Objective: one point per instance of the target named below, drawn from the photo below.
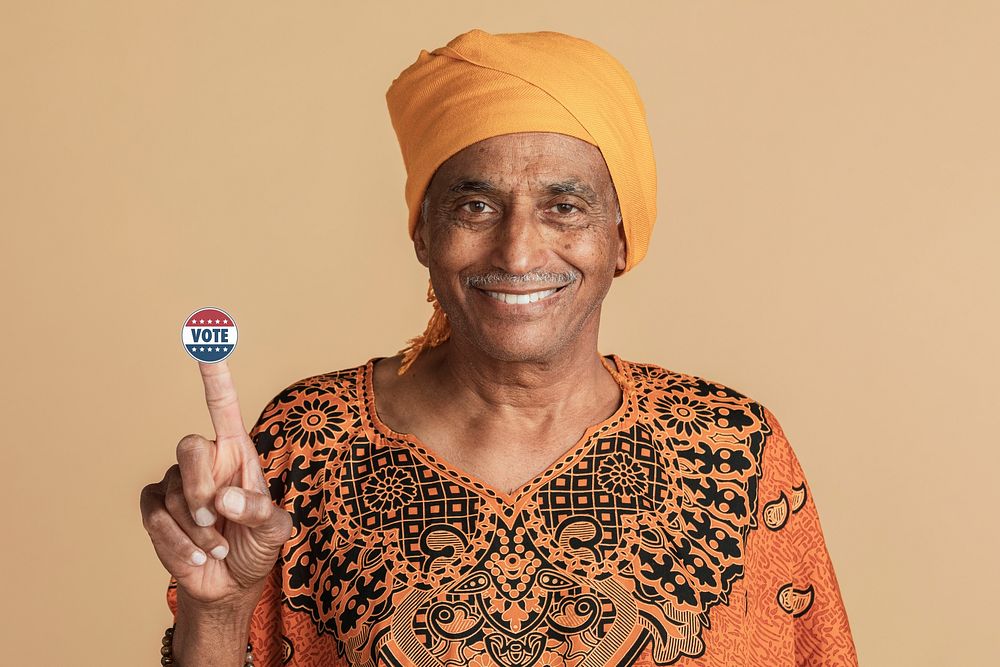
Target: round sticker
(209, 335)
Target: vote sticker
(209, 335)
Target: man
(501, 493)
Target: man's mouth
(527, 297)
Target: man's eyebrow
(465, 187)
(572, 188)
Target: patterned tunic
(679, 531)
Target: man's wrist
(222, 614)
(214, 633)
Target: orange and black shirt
(679, 531)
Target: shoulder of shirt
(664, 388)
(340, 382)
(285, 426)
(654, 378)
(331, 387)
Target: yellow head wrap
(482, 85)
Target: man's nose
(520, 245)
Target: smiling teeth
(521, 298)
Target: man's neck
(478, 388)
(500, 421)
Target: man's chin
(519, 346)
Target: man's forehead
(542, 173)
(528, 151)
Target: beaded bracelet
(167, 650)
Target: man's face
(522, 242)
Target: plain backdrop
(826, 243)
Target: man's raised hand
(210, 518)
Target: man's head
(524, 217)
(458, 103)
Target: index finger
(223, 405)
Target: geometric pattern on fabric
(633, 548)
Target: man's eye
(477, 207)
(565, 208)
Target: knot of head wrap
(483, 85)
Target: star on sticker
(225, 321)
(201, 349)
(225, 349)
(201, 321)
(216, 321)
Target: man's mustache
(547, 278)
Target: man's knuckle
(200, 494)
(179, 543)
(252, 507)
(190, 444)
(148, 492)
(156, 522)
(175, 502)
(285, 522)
(222, 401)
(260, 507)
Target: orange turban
(482, 85)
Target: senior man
(500, 493)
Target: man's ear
(420, 241)
(622, 250)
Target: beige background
(826, 243)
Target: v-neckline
(624, 416)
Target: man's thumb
(253, 510)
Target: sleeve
(793, 590)
(265, 625)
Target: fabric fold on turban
(483, 85)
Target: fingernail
(234, 501)
(198, 558)
(204, 517)
(219, 552)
